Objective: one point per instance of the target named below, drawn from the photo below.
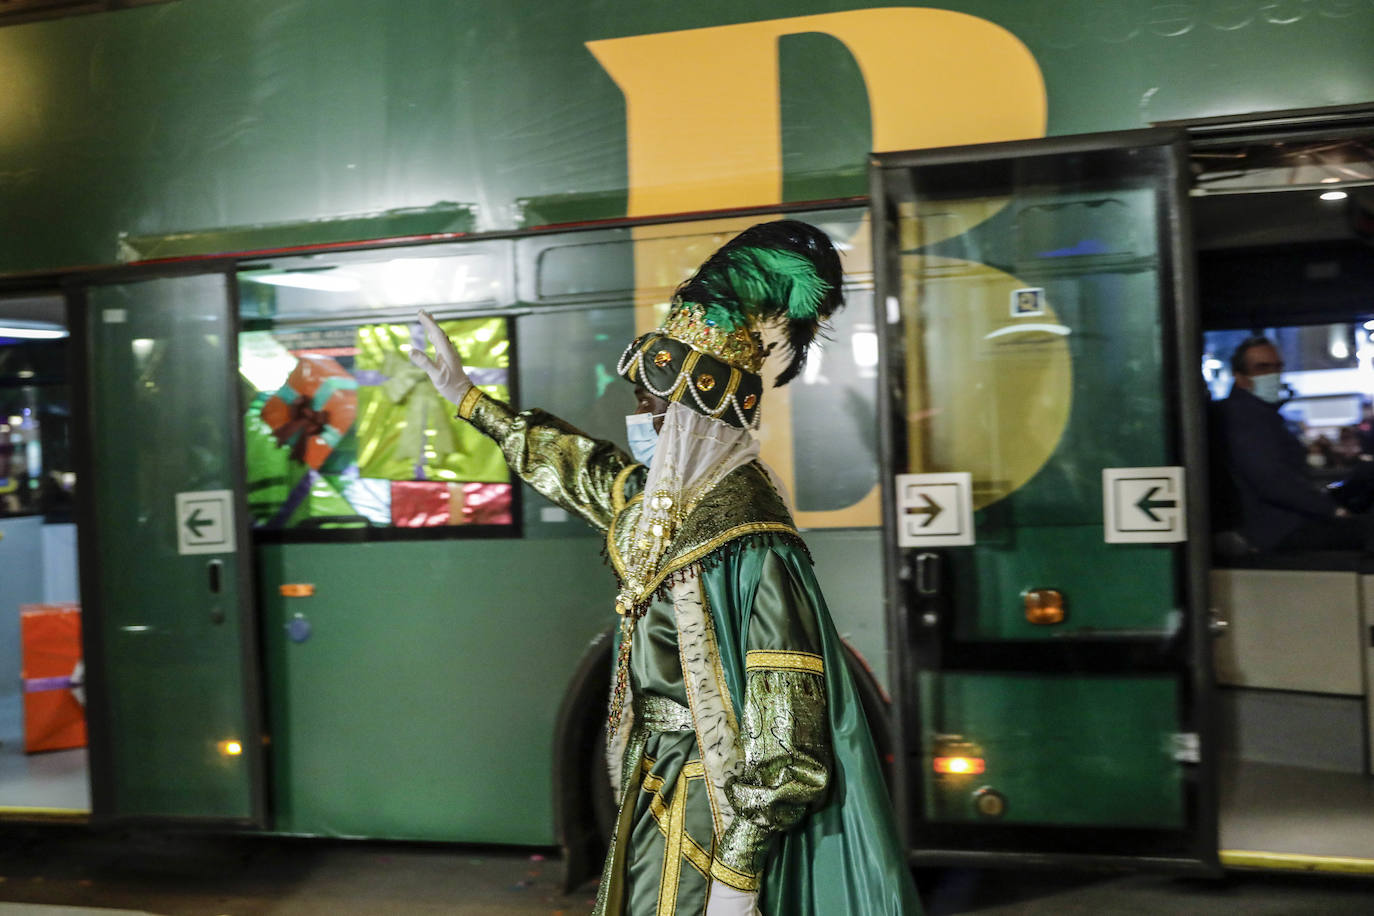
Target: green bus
(310, 604)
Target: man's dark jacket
(1269, 469)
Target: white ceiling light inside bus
(1058, 329)
(1334, 195)
(865, 346)
(324, 280)
(32, 330)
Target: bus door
(1040, 434)
(166, 583)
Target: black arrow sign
(194, 523)
(930, 510)
(1147, 504)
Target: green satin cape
(845, 858)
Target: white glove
(725, 900)
(447, 374)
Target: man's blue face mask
(642, 435)
(1267, 387)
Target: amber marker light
(230, 748)
(959, 766)
(1043, 605)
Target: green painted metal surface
(196, 116)
(422, 704)
(1106, 587)
(1066, 751)
(175, 652)
(849, 568)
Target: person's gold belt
(660, 714)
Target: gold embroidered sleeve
(562, 463)
(785, 739)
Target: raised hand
(447, 372)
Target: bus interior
(43, 759)
(1283, 229)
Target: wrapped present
(314, 409)
(486, 504)
(425, 504)
(406, 430)
(54, 698)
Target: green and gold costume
(747, 758)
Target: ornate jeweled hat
(709, 351)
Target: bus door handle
(927, 574)
(215, 569)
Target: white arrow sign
(1143, 505)
(205, 521)
(935, 510)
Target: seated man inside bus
(1277, 506)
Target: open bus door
(1041, 421)
(169, 628)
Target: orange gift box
(54, 711)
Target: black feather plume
(771, 273)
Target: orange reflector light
(959, 766)
(1044, 605)
(297, 590)
(230, 748)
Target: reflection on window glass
(343, 431)
(298, 288)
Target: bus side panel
(413, 696)
(1062, 750)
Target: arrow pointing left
(194, 523)
(1148, 504)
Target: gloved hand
(725, 900)
(447, 373)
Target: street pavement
(61, 871)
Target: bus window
(340, 429)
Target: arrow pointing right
(930, 510)
(1146, 504)
(194, 523)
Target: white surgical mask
(639, 427)
(1267, 387)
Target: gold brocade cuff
(771, 659)
(492, 418)
(728, 874)
(469, 401)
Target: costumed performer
(738, 747)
